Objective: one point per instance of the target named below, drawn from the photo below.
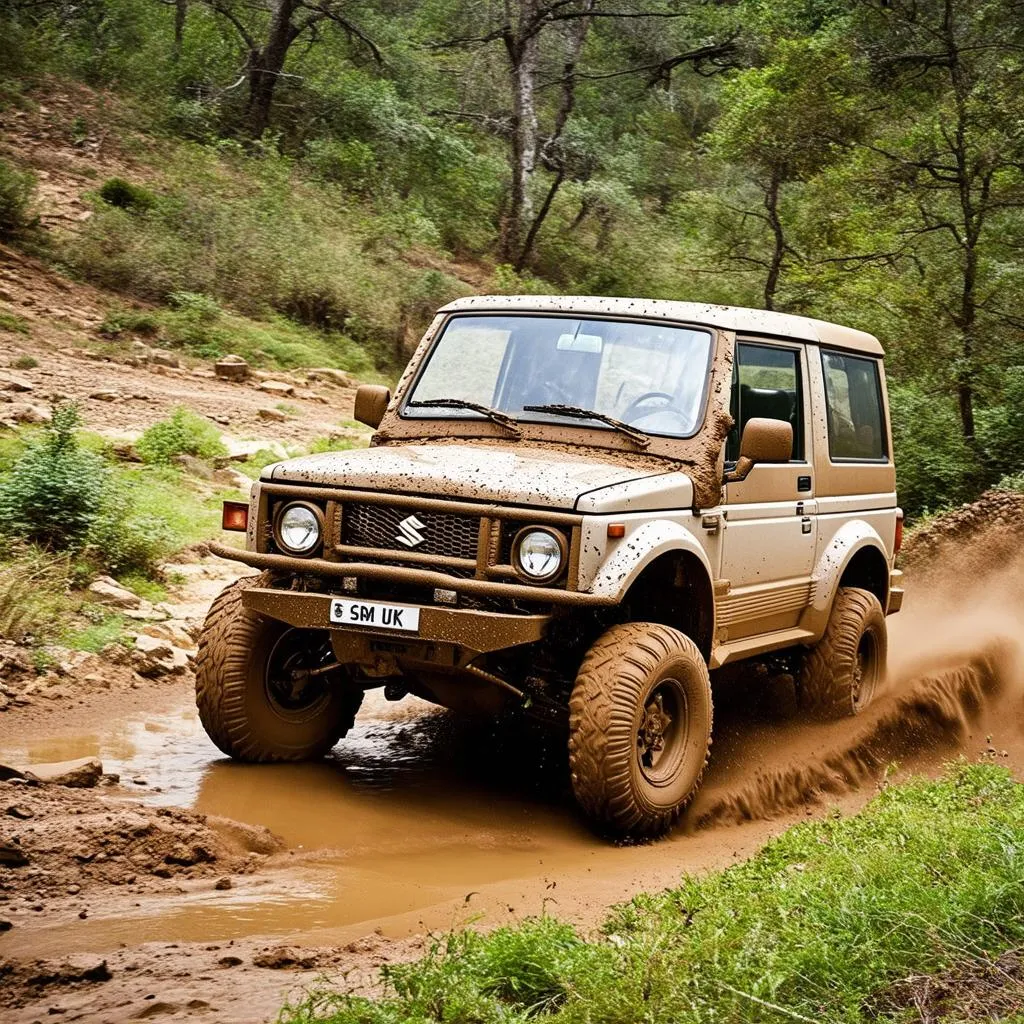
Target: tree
(269, 41)
(539, 35)
(782, 124)
(952, 147)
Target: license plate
(373, 614)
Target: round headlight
(539, 554)
(298, 529)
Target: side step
(763, 643)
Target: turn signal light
(235, 516)
(898, 542)
(616, 530)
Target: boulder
(12, 382)
(80, 774)
(160, 357)
(106, 395)
(276, 387)
(232, 478)
(26, 412)
(108, 591)
(154, 656)
(272, 415)
(231, 367)
(329, 375)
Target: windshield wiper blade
(494, 415)
(638, 437)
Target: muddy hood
(525, 476)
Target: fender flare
(638, 550)
(851, 538)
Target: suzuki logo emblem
(409, 532)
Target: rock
(19, 812)
(221, 419)
(12, 382)
(230, 961)
(5, 925)
(222, 884)
(276, 387)
(232, 478)
(154, 656)
(141, 351)
(330, 375)
(281, 957)
(12, 856)
(239, 451)
(194, 467)
(108, 591)
(26, 412)
(171, 632)
(116, 654)
(106, 395)
(7, 773)
(80, 968)
(273, 415)
(231, 367)
(80, 774)
(160, 357)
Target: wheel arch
(855, 557)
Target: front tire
(255, 698)
(842, 672)
(639, 728)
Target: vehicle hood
(525, 475)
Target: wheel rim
(865, 671)
(662, 732)
(293, 691)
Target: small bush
(125, 544)
(17, 189)
(184, 433)
(24, 363)
(13, 323)
(32, 585)
(129, 321)
(126, 196)
(55, 490)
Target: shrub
(32, 585)
(184, 433)
(17, 189)
(55, 490)
(13, 323)
(130, 321)
(130, 543)
(126, 196)
(24, 363)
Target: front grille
(378, 526)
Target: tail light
(898, 542)
(235, 516)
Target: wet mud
(421, 820)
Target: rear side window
(853, 396)
(766, 383)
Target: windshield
(651, 376)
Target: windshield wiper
(638, 437)
(494, 415)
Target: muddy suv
(583, 508)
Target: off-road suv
(580, 507)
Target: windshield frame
(552, 420)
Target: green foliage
(32, 588)
(127, 196)
(24, 363)
(118, 322)
(17, 190)
(55, 491)
(817, 926)
(183, 433)
(13, 323)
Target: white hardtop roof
(727, 318)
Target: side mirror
(763, 440)
(371, 403)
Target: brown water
(420, 820)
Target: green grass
(94, 636)
(817, 927)
(13, 323)
(24, 363)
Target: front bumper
(473, 632)
(410, 575)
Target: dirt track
(421, 821)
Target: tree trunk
(522, 53)
(266, 64)
(968, 319)
(180, 14)
(771, 204)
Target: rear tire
(639, 728)
(249, 701)
(842, 672)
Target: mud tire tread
(825, 684)
(602, 740)
(230, 634)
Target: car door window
(766, 383)
(853, 398)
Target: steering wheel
(647, 396)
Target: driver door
(769, 523)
